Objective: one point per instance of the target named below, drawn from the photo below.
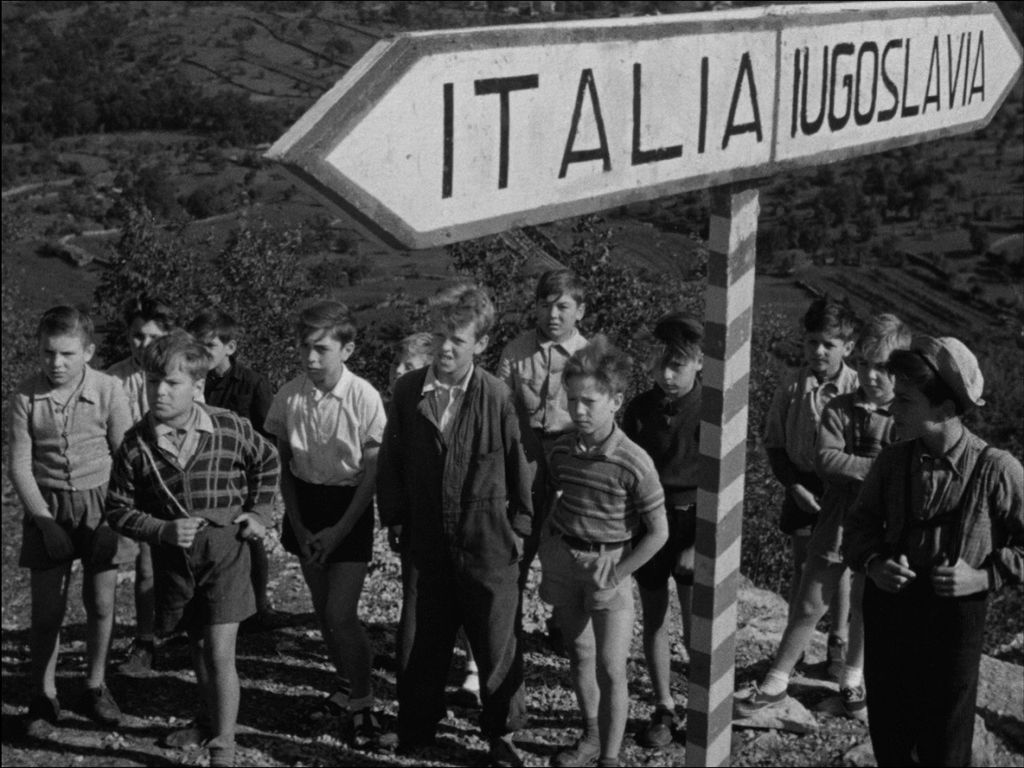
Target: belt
(583, 545)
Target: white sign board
(436, 137)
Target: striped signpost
(436, 137)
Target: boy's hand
(605, 575)
(958, 580)
(891, 575)
(56, 540)
(804, 499)
(182, 532)
(322, 544)
(252, 528)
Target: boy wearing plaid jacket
(195, 481)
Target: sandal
(364, 729)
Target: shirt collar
(87, 389)
(603, 449)
(199, 420)
(337, 391)
(572, 344)
(953, 458)
(861, 401)
(431, 382)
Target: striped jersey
(606, 494)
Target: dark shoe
(97, 704)
(334, 705)
(503, 755)
(580, 755)
(42, 716)
(267, 620)
(466, 698)
(189, 737)
(139, 662)
(364, 731)
(756, 701)
(659, 731)
(855, 704)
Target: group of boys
(473, 476)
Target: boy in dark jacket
(453, 486)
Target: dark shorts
(80, 514)
(321, 506)
(793, 520)
(682, 535)
(205, 584)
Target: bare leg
(49, 600)
(654, 604)
(799, 542)
(817, 587)
(855, 650)
(579, 637)
(98, 589)
(342, 626)
(613, 631)
(316, 580)
(145, 600)
(839, 608)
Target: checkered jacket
(233, 470)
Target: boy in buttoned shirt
(233, 385)
(937, 527)
(329, 424)
(65, 422)
(791, 442)
(455, 489)
(665, 422)
(607, 521)
(194, 482)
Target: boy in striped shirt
(608, 519)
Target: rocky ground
(284, 673)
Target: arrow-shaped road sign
(436, 137)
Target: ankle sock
(851, 677)
(775, 682)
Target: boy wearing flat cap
(938, 525)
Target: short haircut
(177, 348)
(681, 334)
(825, 315)
(606, 364)
(556, 282)
(415, 345)
(330, 316)
(66, 321)
(150, 309)
(882, 335)
(461, 305)
(916, 371)
(213, 322)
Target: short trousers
(205, 584)
(321, 506)
(668, 561)
(568, 575)
(80, 514)
(793, 521)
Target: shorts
(208, 583)
(568, 575)
(81, 515)
(793, 521)
(669, 561)
(321, 506)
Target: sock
(851, 677)
(775, 682)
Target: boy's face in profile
(63, 358)
(592, 408)
(172, 393)
(404, 363)
(142, 333)
(220, 351)
(824, 352)
(454, 350)
(557, 316)
(676, 373)
(874, 378)
(323, 358)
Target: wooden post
(723, 444)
